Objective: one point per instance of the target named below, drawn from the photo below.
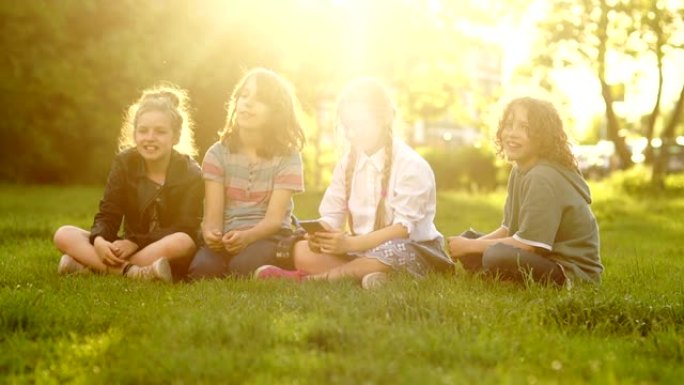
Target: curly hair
(545, 131)
(283, 131)
(167, 98)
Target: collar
(377, 160)
(174, 171)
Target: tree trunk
(660, 163)
(613, 128)
(613, 125)
(653, 117)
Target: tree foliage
(69, 68)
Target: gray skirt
(417, 258)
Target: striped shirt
(249, 184)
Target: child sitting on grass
(155, 190)
(386, 193)
(548, 232)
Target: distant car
(594, 160)
(675, 160)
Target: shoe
(68, 265)
(160, 270)
(373, 280)
(270, 271)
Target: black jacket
(131, 196)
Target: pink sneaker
(270, 271)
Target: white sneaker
(159, 270)
(373, 280)
(68, 265)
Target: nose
(512, 130)
(349, 133)
(247, 102)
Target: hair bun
(171, 97)
(168, 95)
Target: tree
(69, 69)
(585, 31)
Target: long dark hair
(283, 133)
(545, 131)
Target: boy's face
(361, 127)
(515, 138)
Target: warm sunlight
(355, 37)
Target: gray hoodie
(548, 206)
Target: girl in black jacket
(154, 187)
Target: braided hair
(373, 95)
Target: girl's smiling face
(362, 127)
(154, 137)
(252, 113)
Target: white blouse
(411, 196)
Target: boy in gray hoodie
(548, 231)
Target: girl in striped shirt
(250, 176)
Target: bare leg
(177, 248)
(356, 268)
(74, 242)
(172, 247)
(312, 262)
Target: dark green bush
(465, 168)
(637, 181)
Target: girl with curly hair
(548, 233)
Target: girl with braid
(384, 191)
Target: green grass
(442, 329)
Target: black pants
(209, 263)
(512, 263)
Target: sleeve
(333, 208)
(414, 195)
(289, 174)
(213, 165)
(540, 213)
(111, 211)
(508, 206)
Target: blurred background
(615, 70)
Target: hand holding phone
(313, 226)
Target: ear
(176, 137)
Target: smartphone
(312, 226)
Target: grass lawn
(439, 330)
